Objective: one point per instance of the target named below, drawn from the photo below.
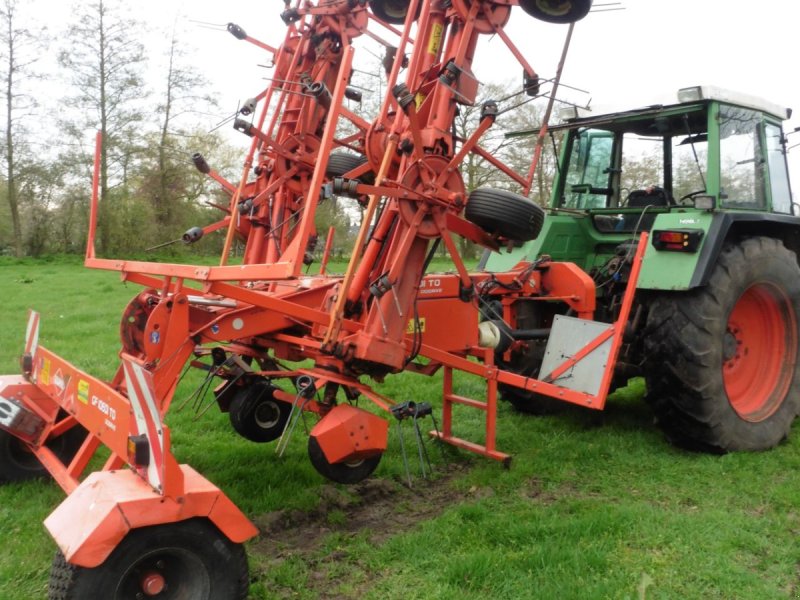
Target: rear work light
(677, 240)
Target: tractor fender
(93, 519)
(665, 270)
(727, 225)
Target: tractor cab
(713, 156)
(714, 149)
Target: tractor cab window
(641, 166)
(778, 176)
(741, 181)
(587, 181)
(689, 167)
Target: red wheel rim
(759, 352)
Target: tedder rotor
(144, 525)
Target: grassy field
(593, 506)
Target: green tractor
(716, 324)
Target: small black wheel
(18, 463)
(340, 163)
(392, 11)
(189, 559)
(505, 213)
(557, 11)
(343, 472)
(256, 415)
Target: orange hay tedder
(145, 526)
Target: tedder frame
(243, 323)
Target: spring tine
(419, 447)
(294, 416)
(405, 457)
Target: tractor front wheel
(348, 473)
(256, 415)
(187, 559)
(722, 360)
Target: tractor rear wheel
(18, 463)
(343, 472)
(505, 214)
(256, 415)
(187, 559)
(722, 360)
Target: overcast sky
(626, 58)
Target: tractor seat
(653, 196)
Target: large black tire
(505, 214)
(722, 360)
(17, 463)
(191, 557)
(343, 472)
(557, 11)
(256, 415)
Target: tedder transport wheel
(256, 415)
(557, 11)
(344, 472)
(17, 463)
(504, 213)
(184, 560)
(340, 163)
(722, 360)
(392, 11)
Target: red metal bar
(327, 253)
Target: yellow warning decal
(436, 38)
(44, 374)
(83, 391)
(410, 328)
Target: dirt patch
(377, 509)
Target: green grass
(594, 505)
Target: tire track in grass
(376, 508)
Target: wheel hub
(758, 351)
(267, 415)
(730, 345)
(153, 583)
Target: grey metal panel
(567, 337)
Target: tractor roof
(696, 95)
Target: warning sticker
(44, 374)
(410, 328)
(435, 40)
(83, 391)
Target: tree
(21, 48)
(105, 64)
(169, 181)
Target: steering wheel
(690, 196)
